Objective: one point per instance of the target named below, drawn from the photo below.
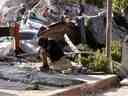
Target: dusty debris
(26, 74)
(62, 64)
(6, 46)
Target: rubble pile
(44, 13)
(35, 15)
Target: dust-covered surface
(23, 79)
(27, 73)
(21, 76)
(122, 91)
(19, 80)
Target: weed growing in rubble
(116, 51)
(99, 61)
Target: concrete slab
(49, 91)
(19, 73)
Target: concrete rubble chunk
(6, 46)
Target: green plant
(119, 5)
(101, 61)
(116, 51)
(96, 63)
(88, 61)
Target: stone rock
(121, 20)
(62, 64)
(6, 46)
(7, 94)
(14, 74)
(96, 26)
(8, 85)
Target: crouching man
(49, 40)
(54, 50)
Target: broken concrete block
(6, 46)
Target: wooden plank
(72, 46)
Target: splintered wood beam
(72, 46)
